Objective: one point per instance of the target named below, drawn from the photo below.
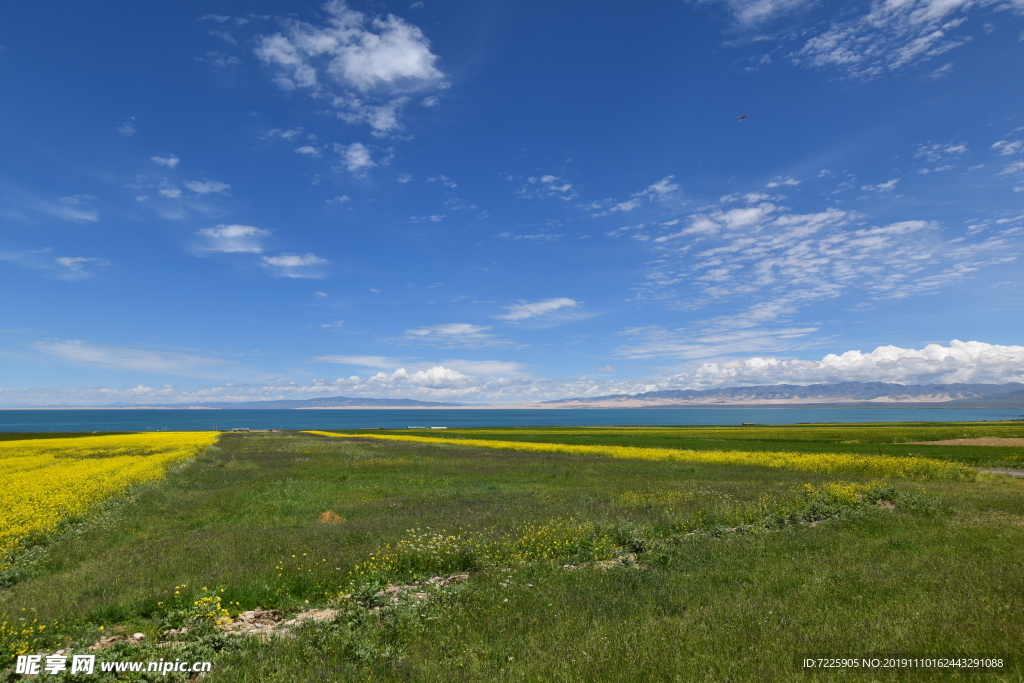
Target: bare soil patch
(984, 441)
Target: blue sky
(497, 202)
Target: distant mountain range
(328, 402)
(1010, 395)
(864, 394)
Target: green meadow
(556, 567)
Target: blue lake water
(172, 420)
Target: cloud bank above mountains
(498, 382)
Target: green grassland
(581, 568)
(883, 439)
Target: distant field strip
(49, 480)
(867, 465)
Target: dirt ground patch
(984, 441)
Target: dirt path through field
(984, 441)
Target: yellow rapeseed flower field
(49, 480)
(853, 463)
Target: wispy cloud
(78, 267)
(890, 37)
(60, 267)
(452, 335)
(134, 359)
(206, 187)
(750, 14)
(887, 186)
(233, 239)
(525, 309)
(663, 189)
(361, 361)
(296, 265)
(168, 161)
(762, 264)
(1006, 147)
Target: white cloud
(894, 34)
(778, 182)
(940, 152)
(967, 362)
(296, 265)
(206, 187)
(233, 239)
(127, 129)
(362, 65)
(540, 237)
(754, 13)
(170, 192)
(523, 309)
(74, 267)
(126, 358)
(431, 101)
(308, 150)
(759, 266)
(882, 187)
(504, 382)
(356, 157)
(75, 208)
(452, 334)
(663, 189)
(1006, 148)
(339, 200)
(170, 161)
(1011, 169)
(547, 186)
(283, 133)
(78, 199)
(444, 180)
(403, 178)
(362, 361)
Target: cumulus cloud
(296, 265)
(233, 239)
(502, 382)
(967, 362)
(524, 309)
(779, 182)
(356, 157)
(308, 150)
(169, 161)
(363, 66)
(206, 187)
